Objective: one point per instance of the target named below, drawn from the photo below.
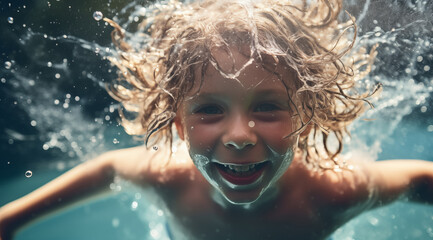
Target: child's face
(235, 130)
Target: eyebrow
(219, 95)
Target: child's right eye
(209, 110)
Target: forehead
(234, 71)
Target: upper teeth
(240, 168)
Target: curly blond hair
(306, 36)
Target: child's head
(302, 39)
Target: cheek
(273, 135)
(201, 136)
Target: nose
(239, 133)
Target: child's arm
(82, 181)
(402, 178)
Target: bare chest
(197, 216)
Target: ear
(179, 127)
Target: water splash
(38, 87)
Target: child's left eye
(266, 107)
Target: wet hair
(307, 37)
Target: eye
(209, 110)
(266, 107)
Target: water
(54, 106)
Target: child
(253, 90)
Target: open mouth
(241, 174)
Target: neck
(268, 196)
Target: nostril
(238, 146)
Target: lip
(241, 179)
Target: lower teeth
(246, 173)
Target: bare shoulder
(150, 165)
(339, 189)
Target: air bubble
(8, 65)
(57, 75)
(426, 68)
(419, 59)
(49, 64)
(155, 148)
(115, 141)
(28, 174)
(98, 15)
(423, 109)
(10, 20)
(430, 129)
(33, 123)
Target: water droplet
(142, 11)
(251, 124)
(137, 195)
(426, 68)
(33, 123)
(10, 20)
(430, 129)
(134, 205)
(45, 147)
(98, 15)
(115, 222)
(29, 174)
(115, 141)
(49, 64)
(56, 101)
(160, 213)
(155, 148)
(3, 80)
(419, 59)
(8, 65)
(57, 75)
